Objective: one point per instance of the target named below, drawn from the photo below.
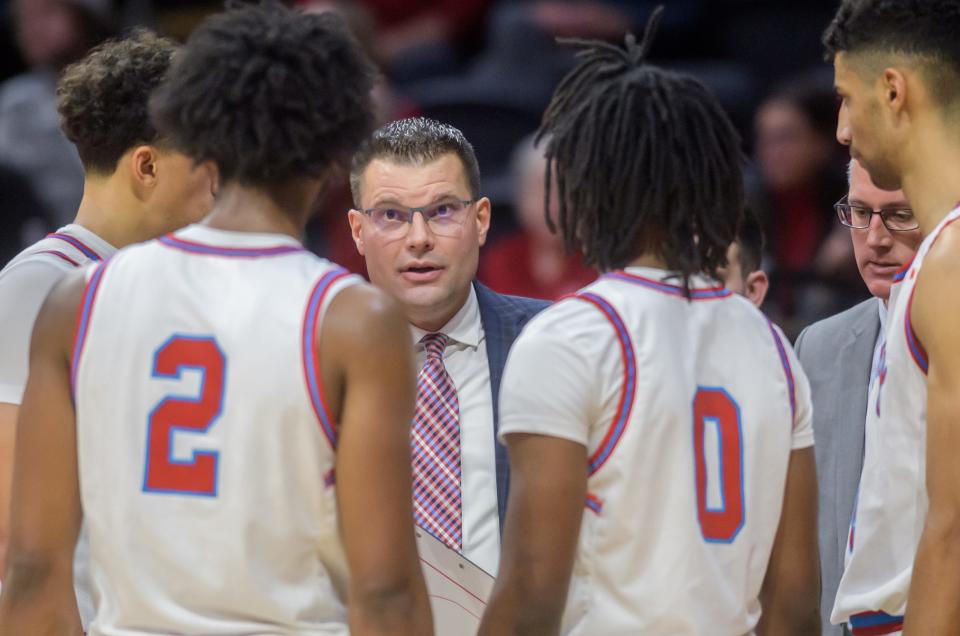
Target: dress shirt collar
(464, 328)
(883, 314)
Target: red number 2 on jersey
(197, 475)
(714, 407)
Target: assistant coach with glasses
(419, 223)
(840, 355)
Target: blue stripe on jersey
(77, 243)
(785, 362)
(235, 252)
(702, 293)
(866, 620)
(83, 322)
(615, 432)
(311, 367)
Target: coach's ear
(355, 219)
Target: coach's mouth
(421, 272)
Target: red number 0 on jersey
(197, 475)
(715, 407)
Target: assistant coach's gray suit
(836, 354)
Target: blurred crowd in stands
(489, 68)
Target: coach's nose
(420, 238)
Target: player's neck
(109, 211)
(648, 260)
(930, 180)
(270, 210)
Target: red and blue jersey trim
(61, 256)
(701, 293)
(83, 322)
(77, 243)
(899, 275)
(594, 503)
(628, 391)
(193, 247)
(875, 623)
(917, 352)
(787, 370)
(311, 365)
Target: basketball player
(136, 188)
(897, 67)
(658, 426)
(237, 409)
(743, 273)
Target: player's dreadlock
(646, 161)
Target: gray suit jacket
(836, 354)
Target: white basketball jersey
(206, 449)
(69, 247)
(687, 469)
(892, 499)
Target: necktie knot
(434, 344)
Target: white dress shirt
(465, 359)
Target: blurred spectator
(800, 177)
(422, 38)
(532, 261)
(50, 34)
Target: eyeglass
(445, 218)
(859, 217)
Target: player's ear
(355, 219)
(143, 167)
(894, 86)
(757, 285)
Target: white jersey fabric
(205, 445)
(25, 283)
(688, 410)
(892, 499)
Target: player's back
(205, 447)
(689, 438)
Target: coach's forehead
(413, 183)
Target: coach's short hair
(924, 29)
(102, 99)
(415, 140)
(267, 93)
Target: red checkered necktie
(436, 448)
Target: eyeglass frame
(845, 202)
(422, 210)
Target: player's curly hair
(646, 161)
(102, 99)
(927, 29)
(267, 93)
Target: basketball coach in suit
(840, 355)
(419, 223)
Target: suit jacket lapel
(499, 333)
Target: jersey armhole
(628, 391)
(787, 371)
(319, 298)
(84, 313)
